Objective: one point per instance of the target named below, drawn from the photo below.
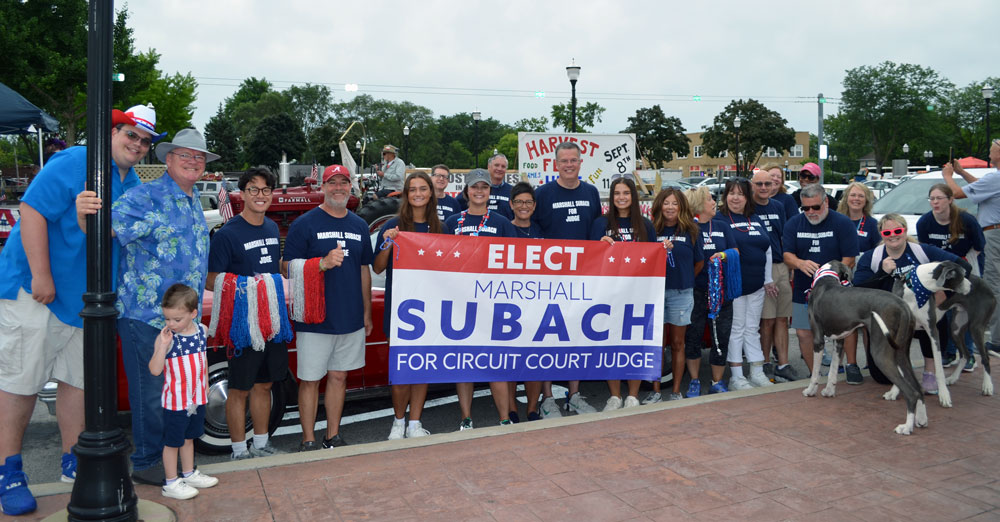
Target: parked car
(880, 186)
(676, 183)
(910, 199)
(695, 180)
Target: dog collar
(826, 272)
(920, 292)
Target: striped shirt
(185, 376)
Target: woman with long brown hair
(417, 213)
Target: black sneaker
(786, 374)
(533, 416)
(335, 441)
(308, 446)
(153, 476)
(854, 374)
(513, 417)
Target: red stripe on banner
(494, 255)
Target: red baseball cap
(336, 170)
(813, 169)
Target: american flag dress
(185, 376)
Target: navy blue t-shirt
(447, 207)
(566, 213)
(499, 200)
(773, 217)
(751, 238)
(389, 225)
(868, 234)
(600, 229)
(471, 225)
(244, 249)
(832, 239)
(863, 273)
(685, 254)
(530, 231)
(314, 234)
(788, 202)
(931, 232)
(714, 238)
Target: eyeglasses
(523, 202)
(889, 232)
(932, 199)
(261, 190)
(806, 208)
(570, 161)
(200, 158)
(762, 183)
(134, 137)
(445, 176)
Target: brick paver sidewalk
(756, 455)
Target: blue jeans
(144, 392)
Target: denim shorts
(677, 306)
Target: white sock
(782, 366)
(239, 447)
(756, 369)
(259, 441)
(414, 424)
(399, 422)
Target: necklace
(482, 223)
(525, 231)
(749, 226)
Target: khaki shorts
(319, 353)
(35, 346)
(780, 306)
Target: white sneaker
(200, 480)
(548, 409)
(416, 430)
(397, 431)
(631, 401)
(739, 382)
(614, 403)
(578, 404)
(758, 379)
(179, 490)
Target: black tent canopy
(17, 114)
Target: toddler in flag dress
(179, 354)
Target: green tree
(889, 103)
(508, 145)
(760, 128)
(223, 138)
(249, 91)
(966, 109)
(657, 136)
(457, 156)
(539, 124)
(586, 116)
(276, 134)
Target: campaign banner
(480, 309)
(603, 155)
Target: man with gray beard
(336, 345)
(816, 236)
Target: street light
(406, 141)
(988, 95)
(786, 171)
(736, 123)
(476, 116)
(573, 72)
(927, 158)
(906, 149)
(357, 146)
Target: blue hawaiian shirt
(165, 240)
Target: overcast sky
(493, 56)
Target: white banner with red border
(479, 309)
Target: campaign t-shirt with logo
(389, 225)
(751, 238)
(491, 224)
(682, 258)
(863, 272)
(933, 233)
(788, 203)
(566, 213)
(447, 207)
(315, 234)
(832, 239)
(714, 238)
(868, 234)
(624, 231)
(773, 217)
(499, 200)
(244, 249)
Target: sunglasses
(808, 176)
(806, 208)
(762, 183)
(889, 232)
(134, 137)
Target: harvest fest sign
(603, 155)
(476, 309)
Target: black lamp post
(573, 72)
(988, 95)
(736, 123)
(357, 147)
(406, 142)
(476, 116)
(103, 489)
(927, 158)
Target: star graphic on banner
(439, 253)
(420, 252)
(611, 259)
(457, 254)
(642, 259)
(628, 259)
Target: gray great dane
(836, 310)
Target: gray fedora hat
(186, 139)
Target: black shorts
(252, 367)
(178, 426)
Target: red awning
(972, 163)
